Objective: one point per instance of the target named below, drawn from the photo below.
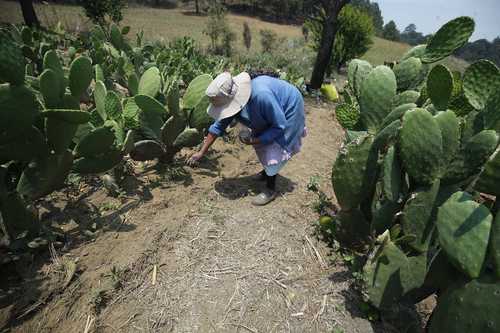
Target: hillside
(170, 23)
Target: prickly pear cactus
(377, 91)
(347, 115)
(464, 230)
(481, 80)
(356, 74)
(407, 73)
(12, 62)
(450, 131)
(421, 146)
(440, 86)
(150, 82)
(489, 179)
(448, 38)
(470, 306)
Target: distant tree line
(410, 35)
(480, 49)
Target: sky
(429, 15)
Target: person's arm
(274, 114)
(217, 129)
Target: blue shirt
(274, 112)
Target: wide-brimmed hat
(228, 95)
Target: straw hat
(228, 95)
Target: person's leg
(269, 194)
(261, 176)
(271, 182)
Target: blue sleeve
(218, 128)
(275, 116)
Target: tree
(101, 10)
(410, 28)
(373, 10)
(391, 31)
(29, 13)
(411, 36)
(268, 40)
(218, 30)
(332, 10)
(247, 36)
(353, 38)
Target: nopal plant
(418, 181)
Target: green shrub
(100, 11)
(218, 30)
(247, 36)
(268, 39)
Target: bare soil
(185, 251)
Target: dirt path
(198, 257)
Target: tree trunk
(29, 13)
(197, 6)
(330, 27)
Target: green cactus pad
(407, 72)
(146, 150)
(149, 104)
(133, 84)
(377, 92)
(113, 106)
(196, 91)
(51, 61)
(397, 113)
(11, 62)
(99, 73)
(18, 110)
(464, 230)
(131, 113)
(387, 136)
(45, 174)
(391, 175)
(25, 148)
(117, 129)
(351, 136)
(421, 146)
(100, 93)
(199, 117)
(96, 142)
(347, 115)
(59, 133)
(354, 172)
(450, 132)
(128, 144)
(384, 216)
(116, 36)
(417, 218)
(406, 97)
(70, 116)
(18, 217)
(357, 71)
(80, 76)
(468, 306)
(489, 179)
(99, 163)
(440, 86)
(150, 82)
(389, 274)
(416, 51)
(471, 158)
(49, 87)
(481, 80)
(173, 102)
(70, 102)
(448, 38)
(472, 124)
(190, 137)
(491, 112)
(494, 245)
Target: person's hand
(194, 159)
(245, 137)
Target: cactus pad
(417, 218)
(190, 137)
(18, 110)
(489, 179)
(113, 106)
(416, 51)
(128, 143)
(11, 61)
(196, 91)
(377, 92)
(481, 80)
(407, 72)
(146, 150)
(149, 104)
(70, 116)
(133, 84)
(448, 38)
(150, 82)
(80, 76)
(100, 93)
(347, 115)
(440, 86)
(199, 117)
(491, 112)
(391, 176)
(468, 306)
(49, 87)
(464, 230)
(17, 216)
(59, 133)
(406, 97)
(45, 174)
(421, 146)
(25, 148)
(397, 113)
(354, 172)
(450, 132)
(356, 74)
(97, 141)
(97, 164)
(51, 61)
(131, 113)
